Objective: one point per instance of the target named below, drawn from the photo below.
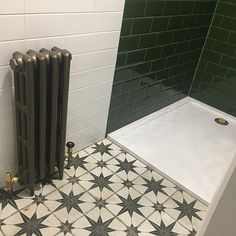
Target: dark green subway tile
(160, 24)
(148, 40)
(179, 35)
(154, 88)
(219, 33)
(123, 74)
(164, 38)
(162, 74)
(142, 25)
(172, 8)
(202, 65)
(216, 69)
(136, 94)
(112, 115)
(203, 20)
(134, 8)
(119, 101)
(135, 57)
(226, 9)
(189, 21)
(229, 23)
(147, 79)
(125, 109)
(191, 33)
(232, 38)
(141, 103)
(175, 22)
(229, 62)
(126, 27)
(217, 20)
(186, 7)
(142, 69)
(210, 43)
(181, 46)
(211, 56)
(130, 85)
(158, 64)
(154, 7)
(196, 43)
(128, 43)
(224, 48)
(168, 50)
(172, 61)
(121, 59)
(153, 53)
(175, 70)
(116, 89)
(204, 6)
(170, 35)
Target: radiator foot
(70, 146)
(10, 181)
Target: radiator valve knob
(70, 145)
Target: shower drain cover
(221, 121)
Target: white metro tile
(11, 6)
(83, 109)
(84, 43)
(8, 48)
(89, 93)
(45, 6)
(110, 5)
(87, 121)
(12, 27)
(48, 43)
(86, 78)
(88, 136)
(44, 25)
(88, 61)
(7, 142)
(7, 98)
(6, 77)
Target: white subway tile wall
(90, 30)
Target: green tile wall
(215, 79)
(159, 49)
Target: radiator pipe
(69, 156)
(10, 181)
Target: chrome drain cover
(221, 121)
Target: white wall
(90, 30)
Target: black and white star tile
(105, 192)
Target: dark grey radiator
(41, 81)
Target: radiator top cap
(70, 144)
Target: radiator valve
(10, 181)
(70, 146)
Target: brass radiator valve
(10, 181)
(69, 156)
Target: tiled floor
(106, 192)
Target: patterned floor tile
(31, 220)
(130, 206)
(127, 167)
(105, 192)
(103, 150)
(155, 187)
(186, 210)
(70, 202)
(160, 223)
(81, 164)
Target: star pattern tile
(106, 192)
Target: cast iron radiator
(41, 81)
